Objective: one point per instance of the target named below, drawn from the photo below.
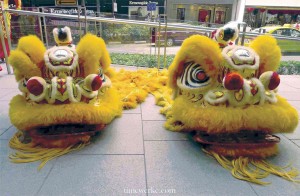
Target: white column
(234, 10)
(241, 10)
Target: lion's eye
(193, 76)
(200, 76)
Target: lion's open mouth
(63, 135)
(68, 62)
(66, 129)
(241, 139)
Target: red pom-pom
(35, 87)
(96, 84)
(274, 81)
(233, 81)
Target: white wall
(203, 1)
(274, 3)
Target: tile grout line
(145, 165)
(37, 193)
(294, 142)
(252, 188)
(291, 140)
(5, 130)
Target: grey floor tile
(150, 111)
(4, 92)
(20, 179)
(181, 165)
(291, 80)
(296, 104)
(136, 110)
(291, 96)
(95, 175)
(154, 130)
(4, 123)
(10, 95)
(297, 142)
(9, 133)
(8, 81)
(288, 153)
(123, 136)
(4, 106)
(294, 135)
(286, 88)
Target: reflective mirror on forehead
(61, 53)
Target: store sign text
(70, 11)
(141, 2)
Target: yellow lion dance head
(66, 91)
(228, 99)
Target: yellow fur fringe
(134, 86)
(29, 153)
(252, 170)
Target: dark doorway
(180, 14)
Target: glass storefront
(137, 9)
(206, 15)
(257, 17)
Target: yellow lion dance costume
(228, 99)
(67, 95)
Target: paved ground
(136, 153)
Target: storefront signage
(66, 2)
(115, 7)
(137, 3)
(151, 6)
(70, 11)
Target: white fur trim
(272, 97)
(69, 84)
(247, 95)
(87, 93)
(87, 82)
(107, 82)
(69, 35)
(211, 97)
(261, 90)
(53, 88)
(22, 86)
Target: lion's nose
(233, 81)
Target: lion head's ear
(33, 47)
(198, 49)
(28, 57)
(268, 51)
(92, 52)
